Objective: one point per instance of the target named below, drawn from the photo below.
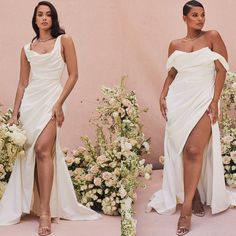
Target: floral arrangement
(12, 140)
(105, 175)
(228, 129)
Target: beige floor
(149, 224)
(107, 226)
(153, 224)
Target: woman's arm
(23, 82)
(219, 47)
(169, 79)
(71, 62)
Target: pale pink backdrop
(112, 38)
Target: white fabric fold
(36, 110)
(188, 98)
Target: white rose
(226, 160)
(122, 191)
(146, 146)
(65, 150)
(69, 160)
(99, 191)
(81, 149)
(18, 138)
(227, 139)
(223, 148)
(88, 177)
(106, 175)
(126, 102)
(133, 142)
(127, 147)
(128, 216)
(94, 169)
(147, 176)
(112, 101)
(84, 187)
(97, 181)
(101, 159)
(13, 128)
(117, 171)
(234, 142)
(115, 114)
(126, 204)
(233, 154)
(141, 162)
(77, 160)
(109, 183)
(229, 181)
(234, 85)
(75, 152)
(1, 168)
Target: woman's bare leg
(192, 162)
(44, 160)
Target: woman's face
(43, 17)
(195, 19)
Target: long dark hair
(56, 30)
(189, 5)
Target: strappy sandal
(197, 207)
(44, 225)
(184, 224)
(199, 210)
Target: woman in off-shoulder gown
(193, 170)
(40, 101)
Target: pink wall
(113, 38)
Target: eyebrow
(198, 12)
(46, 12)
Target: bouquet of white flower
(12, 140)
(228, 129)
(105, 175)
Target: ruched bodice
(48, 66)
(188, 98)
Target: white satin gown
(39, 98)
(188, 98)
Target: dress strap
(171, 61)
(27, 51)
(222, 60)
(58, 45)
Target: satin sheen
(39, 98)
(188, 99)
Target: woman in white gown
(193, 170)
(40, 101)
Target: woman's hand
(163, 107)
(212, 111)
(57, 113)
(13, 121)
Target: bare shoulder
(174, 45)
(213, 35)
(66, 39)
(217, 42)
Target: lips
(44, 23)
